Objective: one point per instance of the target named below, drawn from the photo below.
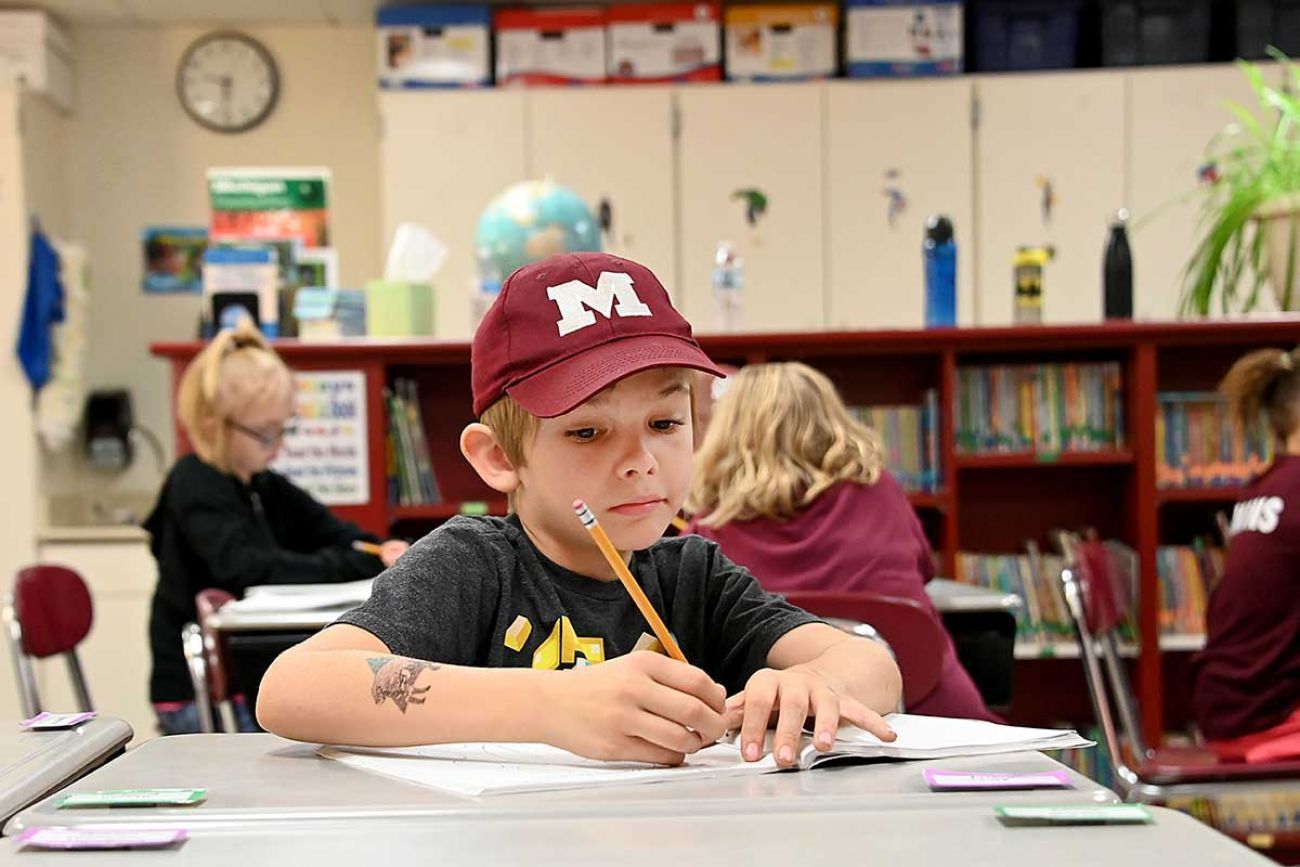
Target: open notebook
(496, 769)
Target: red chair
(914, 636)
(205, 655)
(48, 613)
(1232, 796)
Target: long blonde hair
(1265, 382)
(779, 437)
(235, 370)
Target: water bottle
(728, 280)
(939, 251)
(1117, 271)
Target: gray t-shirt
(477, 592)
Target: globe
(529, 221)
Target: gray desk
(971, 838)
(256, 778)
(951, 597)
(34, 764)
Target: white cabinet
(1038, 135)
(765, 137)
(896, 152)
(614, 144)
(444, 156)
(1173, 114)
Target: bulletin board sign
(327, 455)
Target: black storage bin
(1141, 32)
(1011, 35)
(1261, 23)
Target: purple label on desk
(45, 720)
(100, 838)
(970, 781)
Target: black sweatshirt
(211, 530)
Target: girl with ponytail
(224, 519)
(1247, 680)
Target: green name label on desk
(1098, 814)
(134, 798)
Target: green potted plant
(1250, 219)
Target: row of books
(411, 481)
(1198, 445)
(1035, 578)
(910, 437)
(1045, 408)
(1188, 573)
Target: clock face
(227, 82)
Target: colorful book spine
(1187, 574)
(411, 481)
(909, 440)
(1198, 445)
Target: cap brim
(568, 383)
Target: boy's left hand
(790, 697)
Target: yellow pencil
(634, 590)
(366, 547)
(679, 522)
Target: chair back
(913, 634)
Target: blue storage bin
(1143, 32)
(1025, 34)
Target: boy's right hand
(641, 707)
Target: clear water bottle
(1117, 271)
(728, 281)
(940, 253)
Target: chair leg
(24, 674)
(78, 680)
(192, 645)
(227, 711)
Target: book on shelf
(1198, 445)
(1043, 408)
(411, 481)
(909, 436)
(1188, 574)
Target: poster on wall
(327, 454)
(270, 204)
(173, 259)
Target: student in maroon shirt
(791, 486)
(1247, 680)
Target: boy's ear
(480, 447)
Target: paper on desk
(301, 597)
(492, 769)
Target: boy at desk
(490, 629)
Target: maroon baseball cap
(568, 326)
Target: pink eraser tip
(579, 505)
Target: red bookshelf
(989, 503)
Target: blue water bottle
(940, 254)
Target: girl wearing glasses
(223, 519)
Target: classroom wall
(135, 159)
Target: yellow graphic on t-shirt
(563, 647)
(517, 634)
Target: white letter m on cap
(576, 300)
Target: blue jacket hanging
(42, 309)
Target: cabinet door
(614, 144)
(764, 137)
(1061, 133)
(444, 156)
(1173, 114)
(896, 152)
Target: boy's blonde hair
(779, 437)
(234, 371)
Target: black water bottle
(1117, 271)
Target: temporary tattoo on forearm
(395, 678)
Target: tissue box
(329, 314)
(902, 37)
(434, 46)
(398, 309)
(550, 46)
(35, 48)
(781, 42)
(668, 42)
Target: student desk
(254, 778)
(982, 623)
(35, 763)
(911, 838)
